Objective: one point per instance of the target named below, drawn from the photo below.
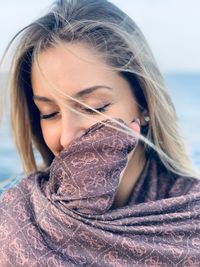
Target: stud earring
(146, 118)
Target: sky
(171, 27)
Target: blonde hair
(117, 38)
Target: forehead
(71, 65)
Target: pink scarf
(65, 216)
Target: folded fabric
(64, 216)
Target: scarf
(64, 216)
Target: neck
(130, 175)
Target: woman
(117, 187)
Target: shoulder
(13, 184)
(179, 185)
(17, 213)
(20, 182)
(12, 192)
(10, 183)
(185, 185)
(171, 184)
(15, 196)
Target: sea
(184, 89)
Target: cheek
(51, 136)
(127, 109)
(133, 108)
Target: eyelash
(48, 116)
(87, 110)
(101, 109)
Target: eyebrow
(79, 94)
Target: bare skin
(74, 68)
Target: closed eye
(87, 110)
(100, 109)
(49, 116)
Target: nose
(70, 129)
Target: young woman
(116, 187)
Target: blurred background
(172, 30)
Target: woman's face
(77, 71)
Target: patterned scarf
(64, 216)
